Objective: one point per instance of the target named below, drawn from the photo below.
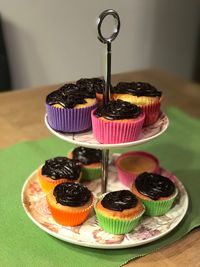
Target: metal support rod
(106, 91)
(104, 177)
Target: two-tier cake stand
(89, 233)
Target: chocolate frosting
(71, 194)
(92, 84)
(87, 155)
(119, 200)
(117, 110)
(62, 167)
(136, 88)
(69, 95)
(154, 185)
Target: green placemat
(23, 244)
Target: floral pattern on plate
(89, 233)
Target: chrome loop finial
(116, 26)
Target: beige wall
(52, 41)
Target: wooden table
(22, 118)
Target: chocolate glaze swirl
(71, 194)
(119, 200)
(87, 155)
(69, 95)
(92, 84)
(117, 110)
(136, 88)
(62, 167)
(154, 185)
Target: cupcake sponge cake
(142, 94)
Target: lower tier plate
(89, 234)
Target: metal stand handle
(106, 92)
(108, 41)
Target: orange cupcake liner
(48, 184)
(68, 217)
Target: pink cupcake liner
(127, 178)
(112, 132)
(152, 112)
(69, 119)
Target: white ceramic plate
(87, 139)
(89, 234)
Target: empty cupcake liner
(126, 177)
(69, 119)
(112, 132)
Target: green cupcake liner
(158, 207)
(117, 226)
(91, 173)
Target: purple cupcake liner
(69, 119)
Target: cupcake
(96, 85)
(141, 94)
(58, 170)
(117, 122)
(119, 212)
(156, 192)
(69, 108)
(90, 159)
(70, 203)
(129, 165)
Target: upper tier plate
(87, 139)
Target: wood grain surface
(22, 118)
